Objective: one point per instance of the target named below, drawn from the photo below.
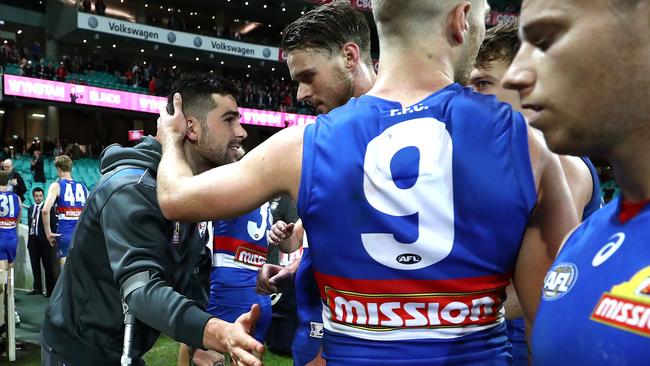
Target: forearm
(159, 306)
(172, 173)
(45, 216)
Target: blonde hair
(63, 163)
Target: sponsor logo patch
(250, 256)
(383, 312)
(627, 306)
(171, 37)
(559, 281)
(198, 42)
(316, 330)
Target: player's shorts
(517, 338)
(307, 343)
(63, 243)
(230, 313)
(8, 245)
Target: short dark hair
(37, 189)
(4, 178)
(501, 44)
(328, 27)
(196, 91)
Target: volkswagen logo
(266, 53)
(171, 37)
(198, 41)
(93, 22)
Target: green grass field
(164, 353)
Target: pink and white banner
(99, 97)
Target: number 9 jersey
(415, 218)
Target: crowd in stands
(267, 92)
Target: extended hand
(51, 238)
(207, 358)
(244, 349)
(271, 278)
(280, 231)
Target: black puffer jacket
(122, 232)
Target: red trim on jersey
(411, 286)
(629, 210)
(231, 245)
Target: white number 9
(431, 197)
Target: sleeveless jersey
(69, 204)
(415, 218)
(9, 211)
(596, 297)
(239, 250)
(307, 341)
(596, 201)
(517, 327)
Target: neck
(66, 175)
(4, 188)
(409, 78)
(196, 162)
(632, 172)
(363, 81)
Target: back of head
(327, 28)
(63, 163)
(414, 19)
(196, 90)
(501, 44)
(4, 178)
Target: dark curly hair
(196, 91)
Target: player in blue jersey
(331, 42)
(582, 71)
(499, 47)
(10, 207)
(68, 196)
(239, 250)
(412, 242)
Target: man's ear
(352, 54)
(459, 18)
(193, 127)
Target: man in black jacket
(39, 248)
(38, 167)
(15, 179)
(125, 254)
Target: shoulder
(465, 103)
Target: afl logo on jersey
(408, 258)
(559, 281)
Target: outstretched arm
(230, 190)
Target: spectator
(16, 182)
(39, 248)
(61, 72)
(152, 85)
(86, 5)
(38, 167)
(58, 149)
(35, 145)
(100, 7)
